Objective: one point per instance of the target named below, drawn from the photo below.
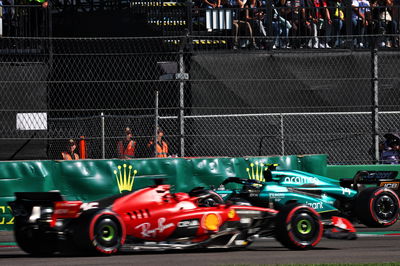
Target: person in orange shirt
(126, 147)
(70, 154)
(161, 150)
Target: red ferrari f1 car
(155, 218)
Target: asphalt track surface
(369, 247)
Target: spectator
(318, 21)
(256, 17)
(390, 153)
(211, 3)
(280, 27)
(294, 13)
(382, 16)
(360, 19)
(161, 149)
(241, 23)
(70, 154)
(336, 10)
(126, 147)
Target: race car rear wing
(25, 201)
(369, 177)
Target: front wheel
(298, 227)
(377, 207)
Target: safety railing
(299, 27)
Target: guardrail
(89, 180)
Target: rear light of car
(65, 209)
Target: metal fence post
(349, 24)
(189, 11)
(103, 141)
(182, 77)
(182, 104)
(375, 99)
(156, 122)
(282, 136)
(269, 16)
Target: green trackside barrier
(348, 171)
(89, 180)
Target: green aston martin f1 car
(355, 199)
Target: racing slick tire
(298, 227)
(377, 207)
(100, 233)
(212, 200)
(34, 241)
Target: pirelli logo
(391, 185)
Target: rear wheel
(298, 227)
(100, 233)
(34, 241)
(377, 207)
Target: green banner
(90, 180)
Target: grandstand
(91, 68)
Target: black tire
(98, 233)
(377, 207)
(34, 241)
(213, 199)
(298, 227)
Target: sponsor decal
(346, 190)
(6, 220)
(315, 205)
(89, 205)
(276, 195)
(148, 232)
(300, 180)
(392, 185)
(327, 199)
(194, 223)
(125, 176)
(256, 171)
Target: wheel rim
(304, 226)
(385, 207)
(107, 233)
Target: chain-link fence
(209, 102)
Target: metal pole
(348, 23)
(375, 99)
(103, 139)
(181, 105)
(282, 136)
(189, 6)
(269, 13)
(156, 122)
